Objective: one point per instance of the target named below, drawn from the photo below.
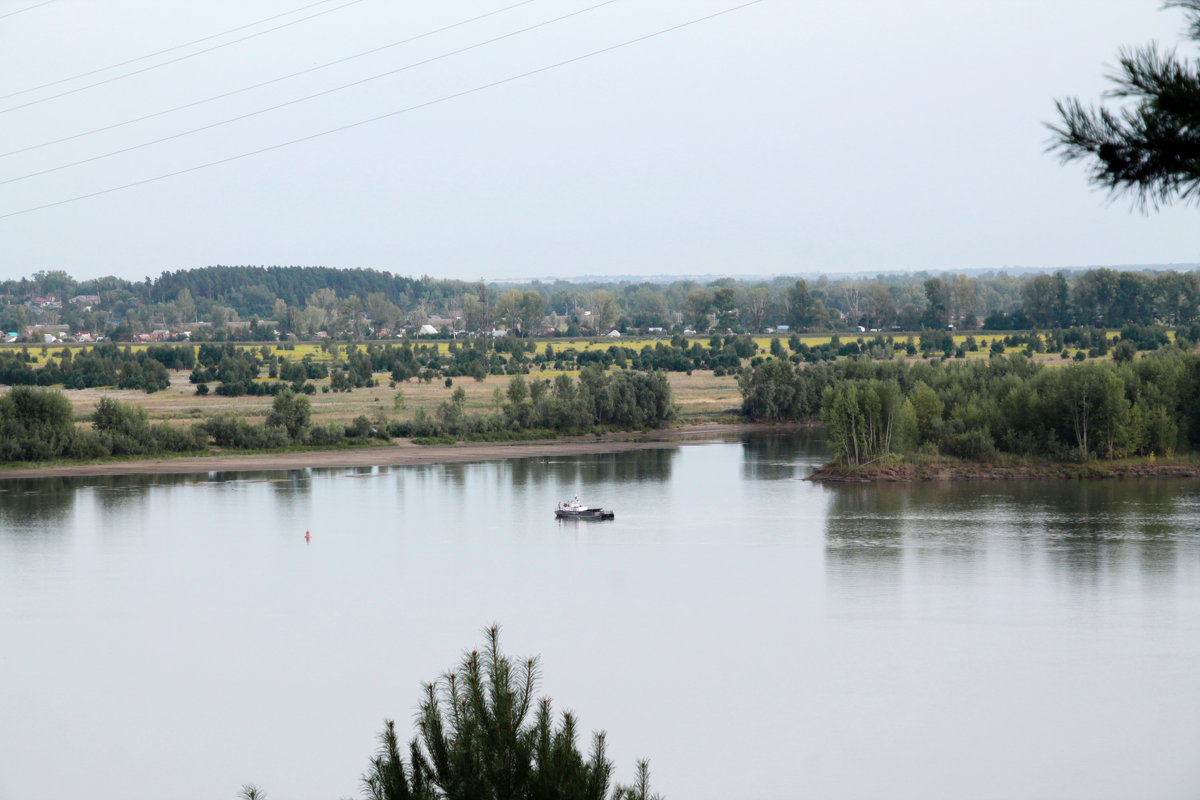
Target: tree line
(37, 424)
(268, 303)
(596, 400)
(103, 365)
(980, 409)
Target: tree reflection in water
(772, 455)
(1086, 530)
(35, 503)
(628, 466)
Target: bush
(171, 439)
(35, 424)
(234, 432)
(88, 445)
(121, 420)
(973, 445)
(322, 435)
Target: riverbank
(982, 471)
(401, 452)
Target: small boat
(573, 509)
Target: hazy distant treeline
(360, 303)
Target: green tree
(1046, 300)
(185, 306)
(606, 310)
(121, 420)
(483, 735)
(1149, 147)
(474, 313)
(769, 391)
(844, 423)
(35, 424)
(383, 312)
(648, 308)
(518, 408)
(1091, 400)
(802, 308)
(937, 304)
(696, 307)
(291, 412)
(928, 408)
(723, 304)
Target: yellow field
(320, 351)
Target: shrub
(322, 435)
(230, 431)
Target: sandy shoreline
(402, 453)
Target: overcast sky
(789, 136)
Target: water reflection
(630, 466)
(42, 502)
(1083, 529)
(778, 456)
(293, 482)
(864, 533)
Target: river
(753, 634)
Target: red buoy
(308, 536)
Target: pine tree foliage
(1150, 146)
(483, 735)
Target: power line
(27, 8)
(157, 52)
(306, 98)
(360, 123)
(268, 83)
(124, 75)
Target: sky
(784, 137)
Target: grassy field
(701, 397)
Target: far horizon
(671, 278)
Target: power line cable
(268, 83)
(306, 98)
(172, 49)
(27, 8)
(360, 123)
(124, 75)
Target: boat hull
(591, 513)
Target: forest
(981, 410)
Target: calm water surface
(754, 635)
